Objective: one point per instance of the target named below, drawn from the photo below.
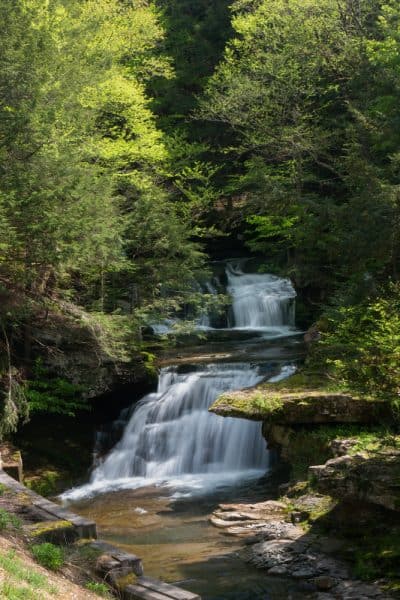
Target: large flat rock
(299, 401)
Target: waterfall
(260, 301)
(171, 437)
(171, 432)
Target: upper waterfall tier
(259, 301)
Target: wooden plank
(171, 591)
(138, 592)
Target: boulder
(361, 477)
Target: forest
(141, 140)
(135, 137)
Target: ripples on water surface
(178, 545)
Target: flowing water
(153, 493)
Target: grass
(101, 589)
(22, 582)
(48, 555)
(8, 520)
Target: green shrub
(360, 346)
(45, 484)
(48, 555)
(98, 588)
(8, 520)
(53, 394)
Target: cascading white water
(171, 432)
(171, 436)
(260, 301)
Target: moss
(45, 483)
(378, 555)
(375, 441)
(59, 532)
(301, 398)
(298, 489)
(48, 526)
(268, 404)
(322, 509)
(312, 446)
(125, 580)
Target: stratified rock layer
(361, 477)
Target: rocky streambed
(283, 548)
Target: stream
(153, 493)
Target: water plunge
(171, 437)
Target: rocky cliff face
(337, 521)
(300, 401)
(74, 347)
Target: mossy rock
(301, 400)
(56, 532)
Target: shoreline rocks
(285, 549)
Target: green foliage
(313, 446)
(48, 555)
(8, 520)
(53, 395)
(319, 173)
(46, 484)
(85, 214)
(101, 589)
(360, 346)
(149, 360)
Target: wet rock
(281, 530)
(306, 586)
(312, 334)
(278, 570)
(284, 549)
(324, 582)
(272, 553)
(304, 573)
(298, 516)
(106, 563)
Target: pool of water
(177, 543)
